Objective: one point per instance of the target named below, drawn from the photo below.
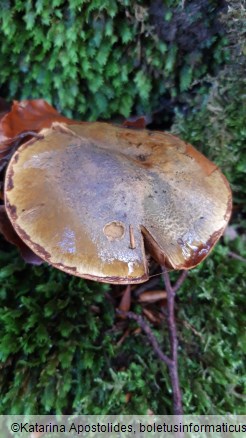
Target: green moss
(94, 59)
(59, 352)
(215, 121)
(216, 126)
(212, 302)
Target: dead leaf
(29, 115)
(125, 302)
(128, 397)
(25, 116)
(152, 296)
(153, 317)
(137, 331)
(137, 122)
(123, 337)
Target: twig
(173, 370)
(171, 362)
(180, 281)
(147, 330)
(236, 256)
(190, 327)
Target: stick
(171, 362)
(147, 330)
(173, 370)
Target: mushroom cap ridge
(90, 198)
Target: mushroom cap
(91, 199)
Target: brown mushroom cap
(89, 199)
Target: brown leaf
(137, 331)
(29, 115)
(152, 296)
(128, 397)
(125, 302)
(24, 117)
(7, 230)
(137, 122)
(123, 337)
(153, 317)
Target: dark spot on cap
(141, 157)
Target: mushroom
(91, 199)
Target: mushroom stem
(173, 367)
